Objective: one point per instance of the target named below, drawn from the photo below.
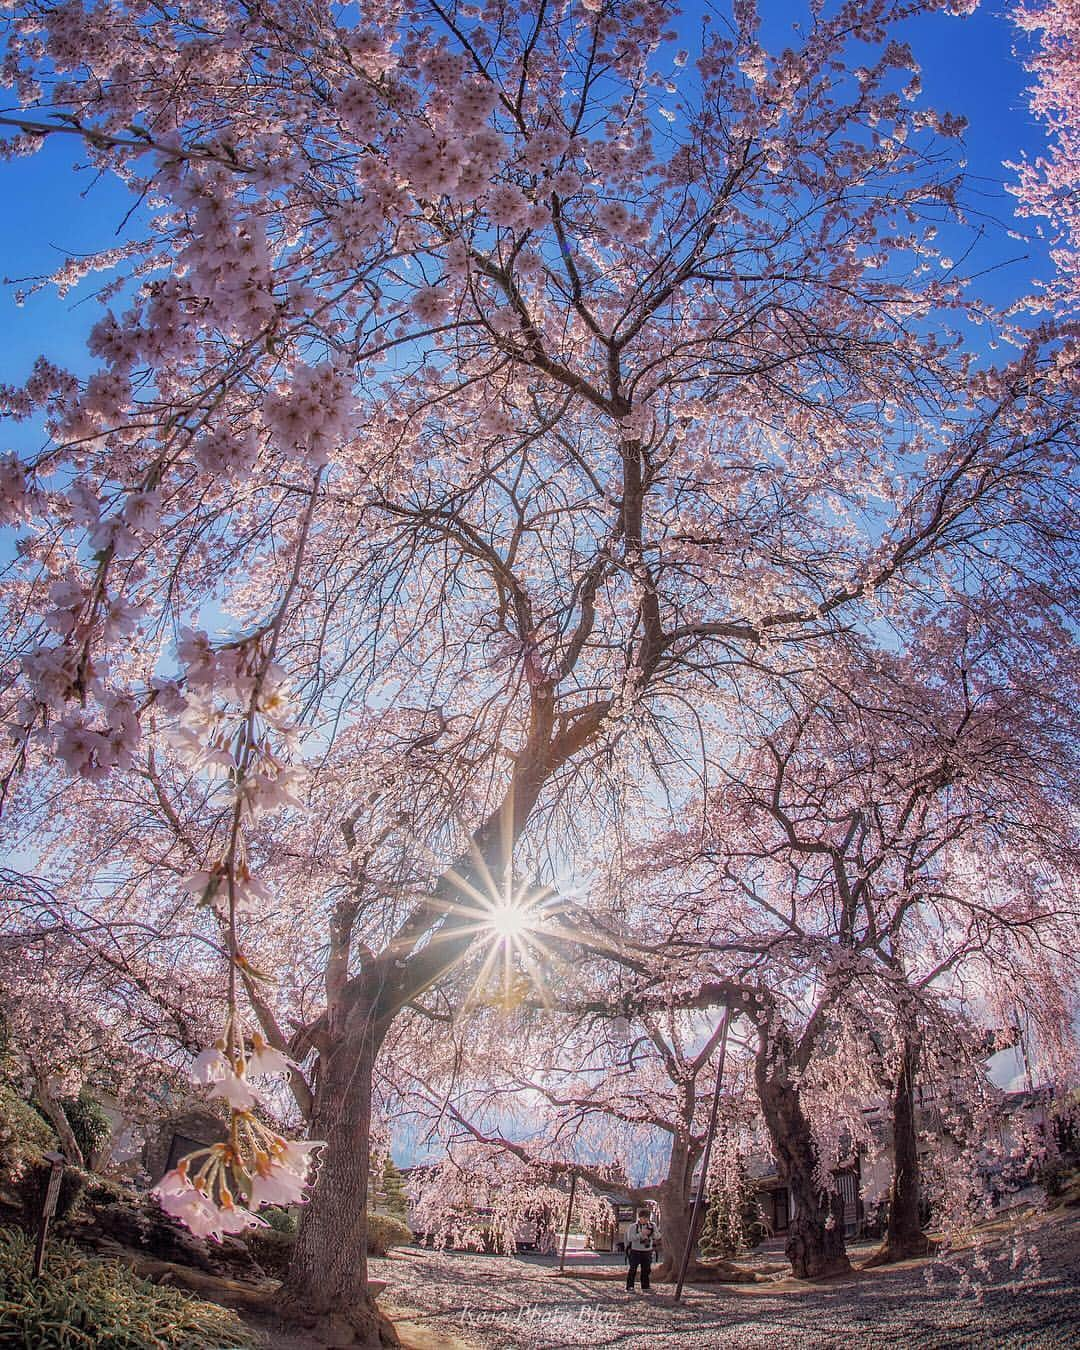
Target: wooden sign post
(48, 1209)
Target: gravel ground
(974, 1299)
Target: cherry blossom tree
(900, 849)
(68, 1026)
(1046, 187)
(609, 1086)
(476, 1197)
(502, 384)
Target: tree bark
(815, 1243)
(675, 1224)
(326, 1284)
(676, 1211)
(904, 1236)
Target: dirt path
(974, 1300)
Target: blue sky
(47, 210)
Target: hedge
(384, 1232)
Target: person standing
(641, 1238)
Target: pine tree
(729, 1217)
(715, 1240)
(390, 1194)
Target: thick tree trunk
(675, 1215)
(815, 1244)
(904, 1236)
(677, 1212)
(674, 1199)
(326, 1285)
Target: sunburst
(511, 922)
(516, 925)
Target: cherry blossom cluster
(1046, 186)
(218, 1190)
(91, 728)
(312, 413)
(235, 723)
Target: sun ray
(476, 991)
(536, 971)
(503, 914)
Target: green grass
(81, 1303)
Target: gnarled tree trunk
(326, 1285)
(815, 1243)
(675, 1211)
(676, 1225)
(676, 1217)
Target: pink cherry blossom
(430, 303)
(274, 1184)
(194, 1209)
(265, 1059)
(210, 1065)
(297, 1155)
(235, 1219)
(230, 1087)
(1046, 186)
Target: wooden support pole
(695, 1213)
(57, 1162)
(566, 1226)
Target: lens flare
(509, 921)
(518, 931)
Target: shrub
(385, 1232)
(280, 1220)
(34, 1182)
(24, 1136)
(89, 1124)
(390, 1190)
(80, 1301)
(272, 1247)
(733, 1221)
